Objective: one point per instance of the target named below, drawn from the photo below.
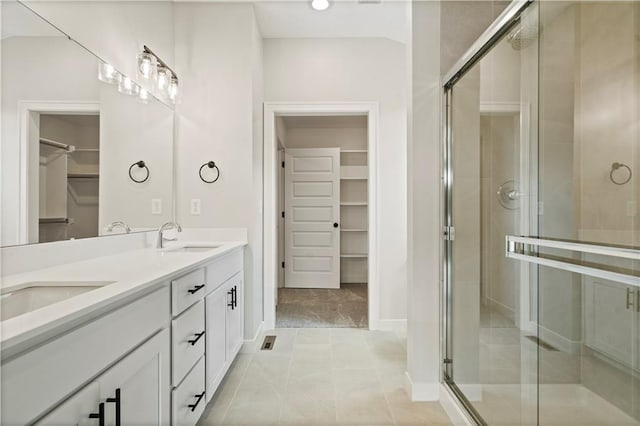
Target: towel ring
(210, 165)
(616, 166)
(141, 164)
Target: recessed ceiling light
(320, 4)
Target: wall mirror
(72, 144)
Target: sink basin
(192, 249)
(36, 295)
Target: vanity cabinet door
(235, 315)
(75, 410)
(137, 388)
(215, 351)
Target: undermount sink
(36, 295)
(191, 249)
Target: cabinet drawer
(222, 269)
(187, 290)
(188, 400)
(188, 341)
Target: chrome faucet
(164, 227)
(118, 223)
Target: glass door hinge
(449, 233)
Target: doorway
(323, 232)
(350, 129)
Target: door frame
(28, 115)
(270, 202)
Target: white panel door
(312, 213)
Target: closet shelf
(354, 203)
(354, 230)
(44, 220)
(353, 151)
(83, 176)
(96, 150)
(354, 255)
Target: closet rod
(45, 141)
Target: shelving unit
(354, 172)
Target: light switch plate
(156, 206)
(195, 206)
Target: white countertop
(131, 272)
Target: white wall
(115, 30)
(347, 70)
(219, 118)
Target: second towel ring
(616, 166)
(211, 165)
(141, 164)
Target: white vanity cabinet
(224, 316)
(131, 392)
(127, 348)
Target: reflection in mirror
(69, 140)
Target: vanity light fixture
(150, 67)
(320, 5)
(173, 89)
(147, 65)
(107, 73)
(164, 78)
(126, 86)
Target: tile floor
(319, 308)
(322, 376)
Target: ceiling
(326, 122)
(296, 19)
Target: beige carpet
(321, 308)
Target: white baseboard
(250, 346)
(396, 325)
(453, 409)
(501, 308)
(554, 339)
(420, 392)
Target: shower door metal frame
(505, 22)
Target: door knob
(335, 224)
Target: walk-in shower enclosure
(541, 188)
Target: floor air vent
(541, 343)
(268, 343)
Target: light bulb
(143, 95)
(173, 89)
(127, 86)
(164, 78)
(147, 65)
(107, 73)
(320, 4)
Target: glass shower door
(491, 342)
(588, 190)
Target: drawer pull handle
(235, 296)
(232, 304)
(194, 341)
(99, 415)
(196, 288)
(199, 398)
(116, 399)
